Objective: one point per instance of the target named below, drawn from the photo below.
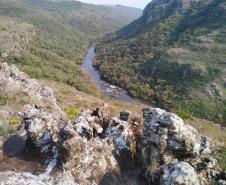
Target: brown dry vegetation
(68, 97)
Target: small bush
(2, 130)
(14, 121)
(73, 113)
(221, 158)
(184, 115)
(3, 99)
(6, 129)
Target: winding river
(111, 91)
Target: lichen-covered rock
(25, 178)
(93, 123)
(125, 115)
(125, 134)
(177, 149)
(180, 173)
(90, 160)
(13, 80)
(97, 149)
(42, 123)
(1, 147)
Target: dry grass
(14, 35)
(68, 97)
(210, 129)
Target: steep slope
(173, 56)
(96, 148)
(63, 32)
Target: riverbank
(109, 90)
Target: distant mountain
(173, 56)
(64, 30)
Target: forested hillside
(61, 33)
(172, 56)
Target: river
(111, 91)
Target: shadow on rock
(126, 134)
(14, 146)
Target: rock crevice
(96, 149)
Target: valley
(111, 91)
(111, 94)
(174, 60)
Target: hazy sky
(134, 3)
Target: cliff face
(97, 149)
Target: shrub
(221, 158)
(6, 129)
(14, 121)
(73, 113)
(184, 115)
(3, 99)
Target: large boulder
(178, 174)
(25, 178)
(13, 80)
(89, 160)
(97, 149)
(174, 151)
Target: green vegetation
(73, 113)
(6, 129)
(173, 56)
(14, 121)
(3, 99)
(184, 115)
(221, 158)
(59, 34)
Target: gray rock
(1, 148)
(180, 173)
(14, 145)
(24, 178)
(164, 148)
(184, 153)
(13, 80)
(214, 91)
(125, 115)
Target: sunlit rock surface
(97, 149)
(174, 152)
(12, 80)
(24, 178)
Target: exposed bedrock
(158, 148)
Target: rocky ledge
(157, 148)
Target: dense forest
(172, 56)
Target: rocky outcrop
(174, 152)
(179, 173)
(24, 178)
(165, 149)
(1, 147)
(97, 149)
(214, 91)
(90, 160)
(13, 80)
(155, 11)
